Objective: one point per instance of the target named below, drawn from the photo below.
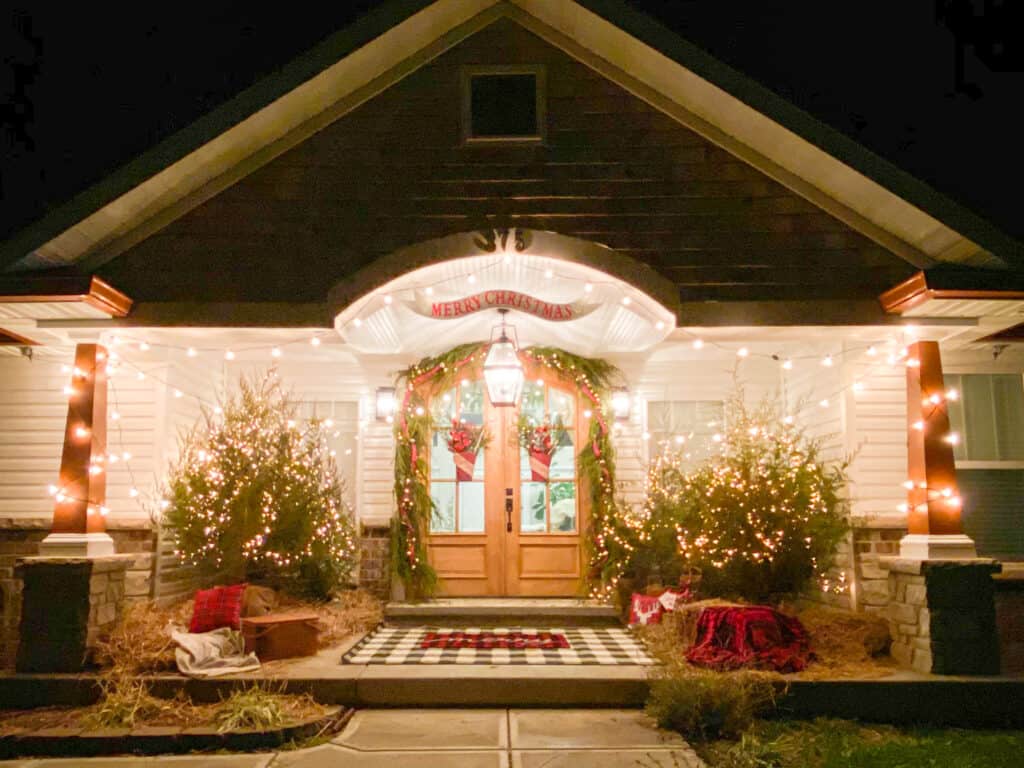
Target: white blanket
(209, 654)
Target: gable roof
(887, 205)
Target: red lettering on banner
(499, 298)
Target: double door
(513, 525)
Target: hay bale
(846, 644)
(140, 643)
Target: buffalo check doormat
(502, 645)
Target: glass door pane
(459, 504)
(547, 470)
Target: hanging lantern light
(503, 371)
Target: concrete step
(486, 612)
(904, 697)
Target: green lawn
(838, 743)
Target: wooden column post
(79, 526)
(934, 529)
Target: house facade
(620, 193)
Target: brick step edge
(159, 740)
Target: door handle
(508, 510)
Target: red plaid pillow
(216, 608)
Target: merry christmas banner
(500, 299)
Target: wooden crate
(281, 635)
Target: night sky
(86, 89)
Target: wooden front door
(507, 531)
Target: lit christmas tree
(760, 518)
(255, 496)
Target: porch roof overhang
(28, 302)
(844, 179)
(993, 299)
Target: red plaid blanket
(749, 636)
(545, 641)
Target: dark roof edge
(207, 127)
(617, 12)
(860, 158)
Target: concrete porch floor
(457, 738)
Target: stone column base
(942, 615)
(67, 605)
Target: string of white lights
(315, 340)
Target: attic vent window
(503, 104)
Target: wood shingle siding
(613, 170)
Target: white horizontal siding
(879, 439)
(807, 385)
(678, 375)
(33, 415)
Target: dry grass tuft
(141, 643)
(126, 703)
(257, 707)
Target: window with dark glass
(503, 104)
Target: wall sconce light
(385, 403)
(621, 404)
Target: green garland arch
(607, 543)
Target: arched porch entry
(506, 520)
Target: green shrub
(702, 704)
(760, 518)
(255, 496)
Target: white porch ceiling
(615, 317)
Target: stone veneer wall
(942, 616)
(871, 579)
(20, 538)
(375, 560)
(864, 584)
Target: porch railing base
(77, 545)
(923, 546)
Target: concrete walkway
(456, 738)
